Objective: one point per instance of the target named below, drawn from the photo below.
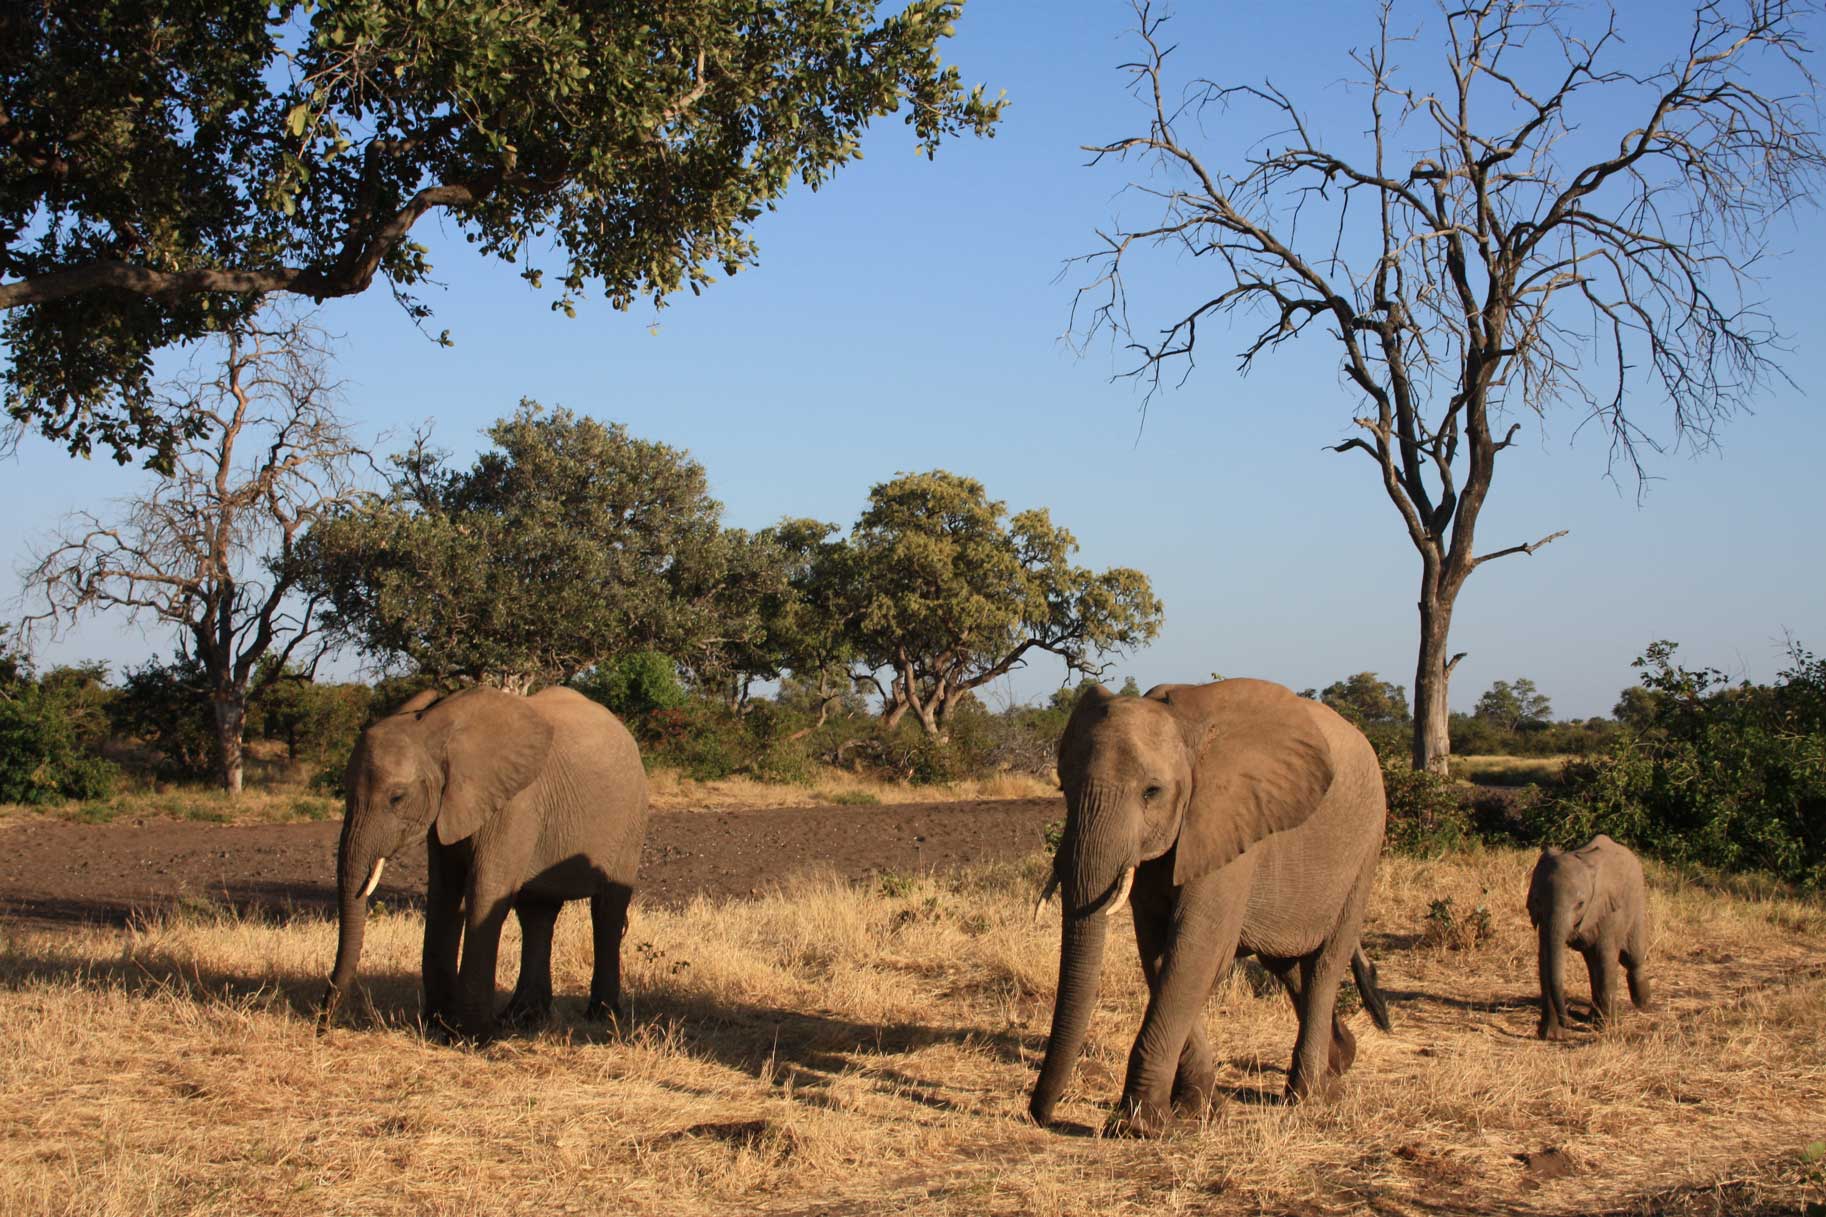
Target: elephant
(1236, 818)
(521, 802)
(1593, 900)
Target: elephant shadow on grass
(806, 1047)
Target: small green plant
(1451, 930)
(1052, 835)
(894, 885)
(851, 798)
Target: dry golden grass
(1499, 770)
(832, 1049)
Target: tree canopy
(1367, 700)
(165, 163)
(1514, 704)
(569, 543)
(947, 593)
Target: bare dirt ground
(55, 872)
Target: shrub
(1426, 815)
(40, 759)
(634, 685)
(43, 725)
(1729, 776)
(167, 707)
(1451, 930)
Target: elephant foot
(1194, 1095)
(1139, 1119)
(1553, 1032)
(526, 1014)
(599, 1011)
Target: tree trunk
(1432, 676)
(231, 718)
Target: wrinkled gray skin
(1251, 820)
(1591, 899)
(520, 802)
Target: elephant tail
(1364, 973)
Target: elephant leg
(484, 918)
(1200, 945)
(1314, 1051)
(1635, 965)
(1601, 963)
(609, 922)
(448, 867)
(1343, 1051)
(1195, 1080)
(531, 1003)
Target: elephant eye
(398, 796)
(1150, 794)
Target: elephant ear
(1260, 766)
(495, 746)
(422, 700)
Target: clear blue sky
(909, 316)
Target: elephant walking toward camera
(1593, 900)
(521, 803)
(1236, 818)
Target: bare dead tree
(209, 549)
(1540, 228)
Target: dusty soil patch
(56, 872)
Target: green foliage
(945, 593)
(568, 544)
(1426, 813)
(319, 722)
(1452, 930)
(633, 685)
(171, 161)
(1512, 706)
(1376, 707)
(166, 706)
(1725, 775)
(47, 728)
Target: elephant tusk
(373, 879)
(1052, 885)
(1122, 893)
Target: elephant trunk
(1095, 868)
(1554, 931)
(358, 865)
(1080, 966)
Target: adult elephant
(522, 803)
(1237, 818)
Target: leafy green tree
(1367, 700)
(802, 633)
(1512, 706)
(945, 593)
(567, 544)
(163, 164)
(1636, 707)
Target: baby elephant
(1591, 899)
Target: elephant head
(1198, 771)
(451, 765)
